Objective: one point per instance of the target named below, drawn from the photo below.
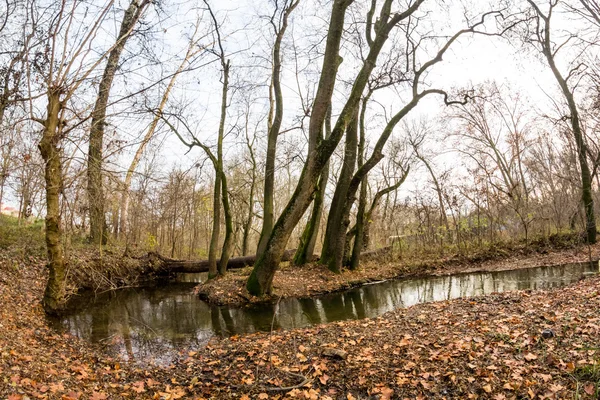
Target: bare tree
(98, 234)
(279, 23)
(63, 63)
(193, 49)
(541, 37)
(319, 150)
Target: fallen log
(172, 265)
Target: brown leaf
(138, 387)
(71, 396)
(590, 388)
(530, 357)
(386, 393)
(324, 378)
(98, 396)
(488, 388)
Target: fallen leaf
(98, 396)
(386, 393)
(138, 387)
(590, 388)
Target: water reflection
(154, 323)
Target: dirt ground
(490, 347)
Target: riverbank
(313, 279)
(489, 348)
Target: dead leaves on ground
(488, 348)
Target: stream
(155, 323)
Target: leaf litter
(479, 348)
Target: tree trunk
(586, 179)
(274, 127)
(359, 236)
(216, 228)
(362, 202)
(306, 249)
(248, 224)
(308, 240)
(438, 190)
(338, 220)
(227, 249)
(98, 234)
(55, 293)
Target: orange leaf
(324, 378)
(138, 387)
(386, 393)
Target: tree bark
(308, 240)
(98, 234)
(337, 223)
(227, 248)
(249, 220)
(216, 227)
(55, 293)
(362, 200)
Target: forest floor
(488, 348)
(314, 279)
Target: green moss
(253, 286)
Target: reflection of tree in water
(144, 323)
(310, 310)
(333, 307)
(356, 299)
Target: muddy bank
(314, 279)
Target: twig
(305, 380)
